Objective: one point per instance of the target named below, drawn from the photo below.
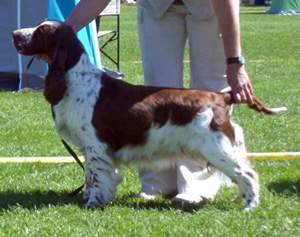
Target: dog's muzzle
(22, 39)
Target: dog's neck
(74, 50)
(83, 65)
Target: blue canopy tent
(16, 14)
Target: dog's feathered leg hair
(55, 83)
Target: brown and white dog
(113, 122)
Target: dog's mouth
(21, 49)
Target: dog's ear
(55, 83)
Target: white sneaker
(190, 199)
(147, 196)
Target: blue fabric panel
(60, 10)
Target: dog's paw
(93, 203)
(251, 204)
(97, 198)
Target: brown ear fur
(55, 84)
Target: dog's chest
(73, 115)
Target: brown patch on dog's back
(124, 113)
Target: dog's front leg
(101, 176)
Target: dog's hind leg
(241, 150)
(101, 176)
(219, 152)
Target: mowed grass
(33, 201)
(33, 197)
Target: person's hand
(240, 84)
(44, 57)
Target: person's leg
(207, 63)
(207, 57)
(196, 182)
(156, 182)
(162, 44)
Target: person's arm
(227, 12)
(84, 12)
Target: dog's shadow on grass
(38, 199)
(285, 187)
(35, 199)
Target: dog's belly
(166, 146)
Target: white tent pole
(96, 44)
(19, 55)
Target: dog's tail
(257, 105)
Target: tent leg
(19, 56)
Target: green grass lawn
(33, 197)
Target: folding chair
(112, 9)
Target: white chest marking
(74, 113)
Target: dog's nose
(17, 36)
(18, 41)
(16, 33)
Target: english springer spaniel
(113, 122)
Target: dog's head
(52, 38)
(42, 39)
(56, 40)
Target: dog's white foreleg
(101, 176)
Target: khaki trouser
(162, 43)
